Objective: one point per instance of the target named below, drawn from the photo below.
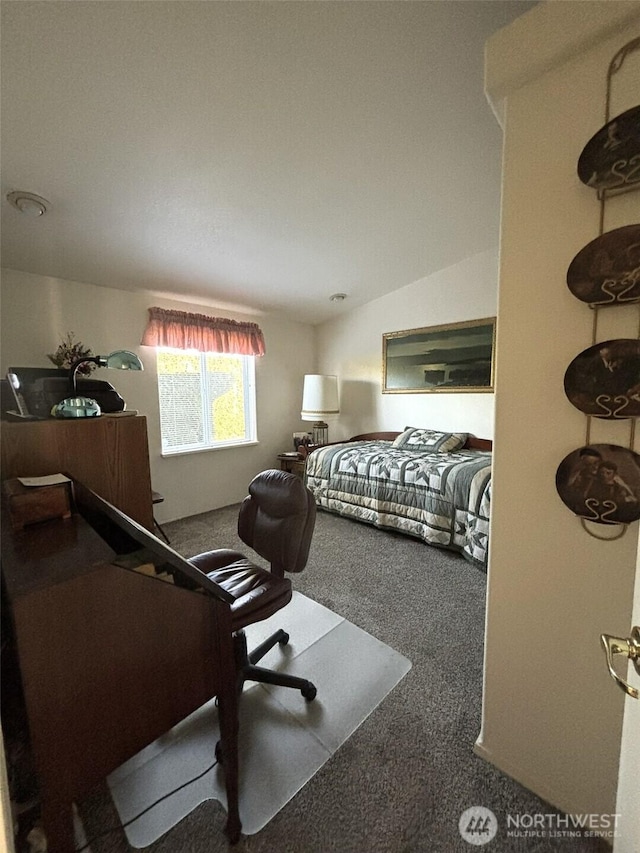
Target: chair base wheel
(283, 639)
(309, 692)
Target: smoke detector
(28, 203)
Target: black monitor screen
(27, 385)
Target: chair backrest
(277, 519)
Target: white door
(625, 88)
(628, 802)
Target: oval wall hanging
(604, 380)
(607, 269)
(601, 483)
(611, 158)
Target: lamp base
(320, 433)
(76, 407)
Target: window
(207, 400)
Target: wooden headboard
(472, 442)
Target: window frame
(250, 404)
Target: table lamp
(319, 400)
(86, 407)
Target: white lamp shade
(319, 397)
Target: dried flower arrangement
(70, 351)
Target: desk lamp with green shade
(86, 407)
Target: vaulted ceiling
(257, 155)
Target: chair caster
(283, 638)
(309, 691)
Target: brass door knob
(631, 649)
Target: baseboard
(515, 773)
(522, 778)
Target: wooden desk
(111, 659)
(109, 455)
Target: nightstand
(292, 464)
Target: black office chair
(276, 519)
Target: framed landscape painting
(457, 357)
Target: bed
(431, 485)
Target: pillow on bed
(430, 440)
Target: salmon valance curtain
(180, 330)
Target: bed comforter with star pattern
(441, 498)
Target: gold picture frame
(452, 358)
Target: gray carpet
(401, 782)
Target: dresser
(110, 455)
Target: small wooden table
(293, 464)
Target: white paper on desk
(48, 480)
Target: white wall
(552, 716)
(351, 347)
(38, 311)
